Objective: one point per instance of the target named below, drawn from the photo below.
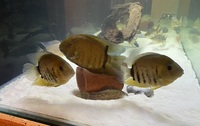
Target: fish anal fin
(155, 87)
(131, 82)
(41, 82)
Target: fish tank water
(166, 27)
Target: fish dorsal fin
(34, 57)
(53, 46)
(50, 43)
(30, 71)
(113, 49)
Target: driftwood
(131, 12)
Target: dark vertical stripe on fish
(135, 71)
(54, 75)
(132, 72)
(155, 81)
(137, 74)
(148, 76)
(156, 71)
(48, 76)
(99, 60)
(38, 69)
(105, 57)
(45, 76)
(155, 76)
(140, 74)
(143, 77)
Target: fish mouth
(181, 72)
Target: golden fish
(154, 71)
(47, 69)
(94, 54)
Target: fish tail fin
(33, 75)
(115, 49)
(115, 67)
(30, 71)
(131, 54)
(126, 70)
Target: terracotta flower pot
(91, 82)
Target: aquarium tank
(101, 62)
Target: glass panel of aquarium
(108, 62)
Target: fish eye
(61, 68)
(169, 67)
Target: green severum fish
(47, 69)
(94, 54)
(153, 70)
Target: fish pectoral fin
(30, 71)
(126, 71)
(113, 71)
